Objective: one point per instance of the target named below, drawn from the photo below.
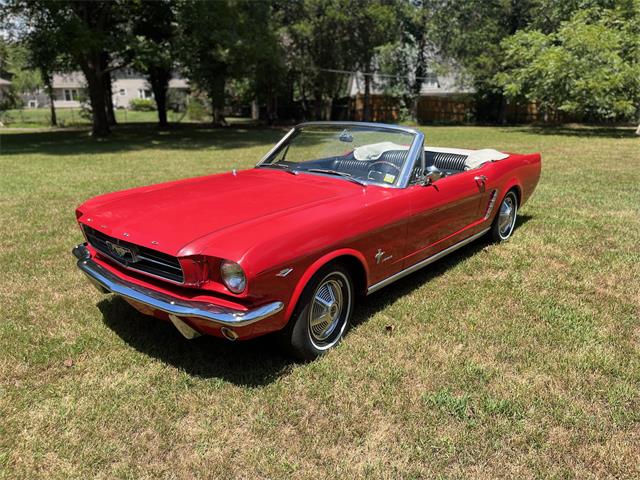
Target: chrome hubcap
(326, 310)
(507, 216)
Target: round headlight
(233, 276)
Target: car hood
(171, 217)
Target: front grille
(142, 259)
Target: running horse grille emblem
(121, 252)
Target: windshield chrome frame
(416, 150)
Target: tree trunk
(108, 99)
(317, 106)
(304, 104)
(638, 130)
(46, 76)
(366, 112)
(159, 80)
(328, 107)
(419, 74)
(414, 108)
(502, 109)
(95, 84)
(217, 102)
(272, 108)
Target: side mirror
(431, 177)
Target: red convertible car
(334, 211)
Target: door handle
(480, 181)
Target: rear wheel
(505, 220)
(322, 315)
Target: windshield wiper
(283, 166)
(346, 175)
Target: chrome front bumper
(108, 282)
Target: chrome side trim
(107, 281)
(424, 263)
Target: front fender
(317, 265)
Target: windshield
(364, 154)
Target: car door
(441, 213)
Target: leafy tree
(408, 59)
(24, 79)
(264, 68)
(209, 44)
(40, 51)
(590, 67)
(87, 32)
(224, 40)
(46, 54)
(154, 48)
(470, 33)
(372, 24)
(326, 38)
(7, 96)
(317, 39)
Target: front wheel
(505, 220)
(322, 315)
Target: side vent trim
(492, 201)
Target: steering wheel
(384, 168)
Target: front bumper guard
(108, 282)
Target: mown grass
(514, 360)
(74, 117)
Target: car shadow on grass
(249, 363)
(254, 362)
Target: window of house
(431, 79)
(144, 93)
(122, 92)
(71, 95)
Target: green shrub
(196, 110)
(176, 100)
(142, 105)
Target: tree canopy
(573, 56)
(589, 67)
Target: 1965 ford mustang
(334, 211)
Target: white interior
(475, 158)
(374, 150)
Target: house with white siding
(69, 89)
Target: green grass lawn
(518, 360)
(73, 117)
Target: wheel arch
(515, 185)
(353, 260)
